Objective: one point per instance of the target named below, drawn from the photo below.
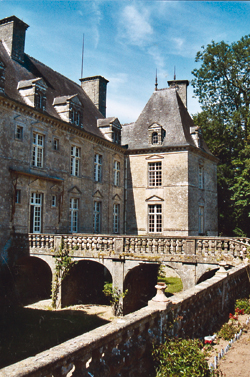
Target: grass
(26, 332)
(174, 284)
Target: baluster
(30, 241)
(144, 245)
(132, 245)
(212, 245)
(173, 246)
(161, 246)
(126, 245)
(205, 243)
(167, 245)
(199, 247)
(149, 245)
(225, 247)
(70, 240)
(105, 244)
(231, 248)
(42, 241)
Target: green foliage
(180, 357)
(243, 304)
(115, 297)
(222, 84)
(228, 330)
(63, 264)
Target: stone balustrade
(135, 246)
(123, 347)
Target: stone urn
(160, 293)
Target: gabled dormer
(111, 129)
(33, 92)
(156, 134)
(69, 108)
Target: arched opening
(33, 279)
(140, 283)
(171, 278)
(84, 284)
(207, 275)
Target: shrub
(243, 304)
(228, 330)
(180, 357)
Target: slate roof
(58, 86)
(166, 109)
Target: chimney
(181, 86)
(96, 88)
(12, 34)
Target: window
(154, 173)
(116, 173)
(154, 218)
(74, 215)
(18, 196)
(36, 212)
(98, 168)
(53, 202)
(37, 152)
(201, 177)
(154, 138)
(75, 161)
(201, 220)
(19, 133)
(116, 218)
(97, 217)
(75, 117)
(56, 144)
(39, 98)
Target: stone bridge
(129, 262)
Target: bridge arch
(207, 274)
(33, 277)
(140, 282)
(84, 284)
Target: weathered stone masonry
(122, 348)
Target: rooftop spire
(156, 82)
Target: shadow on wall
(33, 279)
(207, 275)
(84, 284)
(131, 227)
(140, 283)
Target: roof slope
(166, 109)
(58, 86)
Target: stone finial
(159, 301)
(222, 271)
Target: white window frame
(97, 216)
(36, 200)
(117, 173)
(116, 218)
(38, 150)
(75, 157)
(201, 219)
(155, 218)
(74, 211)
(155, 174)
(98, 167)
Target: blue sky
(126, 41)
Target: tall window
(38, 150)
(98, 168)
(97, 217)
(154, 173)
(154, 218)
(116, 173)
(75, 161)
(201, 220)
(116, 218)
(36, 212)
(18, 196)
(19, 132)
(201, 177)
(73, 208)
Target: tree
(222, 84)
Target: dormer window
(111, 129)
(154, 138)
(69, 108)
(156, 134)
(33, 92)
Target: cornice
(43, 117)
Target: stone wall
(122, 348)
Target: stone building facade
(65, 168)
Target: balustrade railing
(144, 245)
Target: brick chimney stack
(12, 34)
(96, 88)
